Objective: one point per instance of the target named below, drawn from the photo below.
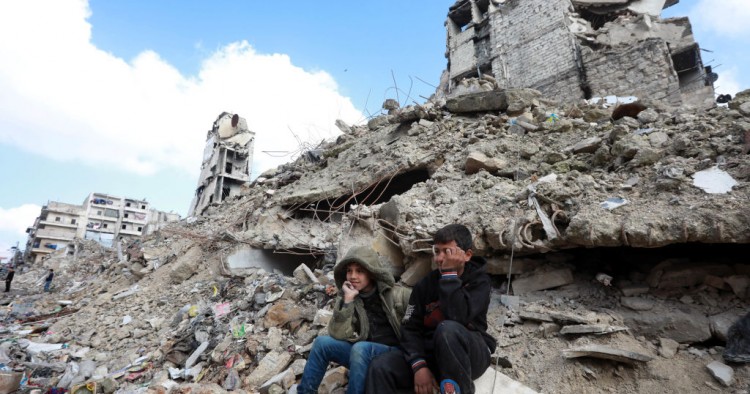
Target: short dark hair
(454, 232)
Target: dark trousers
(7, 286)
(459, 354)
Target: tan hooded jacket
(349, 321)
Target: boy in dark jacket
(9, 278)
(444, 332)
(366, 321)
(48, 280)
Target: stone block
(668, 347)
(273, 363)
(495, 382)
(739, 284)
(633, 289)
(478, 102)
(722, 372)
(335, 378)
(684, 326)
(416, 271)
(542, 281)
(322, 317)
(477, 161)
(637, 303)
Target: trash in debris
(724, 98)
(604, 279)
(552, 118)
(672, 172)
(630, 182)
(614, 202)
(607, 101)
(221, 309)
(193, 311)
(644, 131)
(714, 181)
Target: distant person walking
(48, 281)
(9, 278)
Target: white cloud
(13, 225)
(728, 82)
(63, 98)
(726, 17)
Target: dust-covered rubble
(561, 199)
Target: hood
(366, 257)
(477, 265)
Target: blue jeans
(355, 356)
(46, 284)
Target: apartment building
(56, 227)
(103, 218)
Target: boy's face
(359, 277)
(449, 257)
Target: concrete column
(451, 28)
(476, 14)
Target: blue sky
(117, 96)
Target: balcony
(131, 232)
(55, 234)
(58, 224)
(135, 206)
(93, 215)
(134, 217)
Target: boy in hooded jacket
(444, 332)
(366, 321)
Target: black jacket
(435, 298)
(10, 275)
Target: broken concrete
(607, 353)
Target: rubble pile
(598, 233)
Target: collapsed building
(571, 49)
(616, 251)
(227, 159)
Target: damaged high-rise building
(226, 164)
(571, 49)
(103, 218)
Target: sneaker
(448, 386)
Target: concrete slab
(495, 382)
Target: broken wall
(643, 70)
(226, 162)
(534, 48)
(570, 49)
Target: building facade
(226, 164)
(102, 218)
(573, 49)
(55, 229)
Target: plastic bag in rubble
(232, 382)
(193, 311)
(180, 315)
(71, 371)
(238, 327)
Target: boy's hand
(454, 260)
(349, 292)
(424, 382)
